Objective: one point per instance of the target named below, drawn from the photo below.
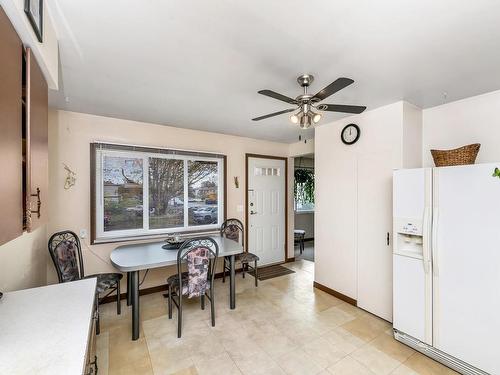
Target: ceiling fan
(307, 104)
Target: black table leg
(135, 303)
(129, 289)
(232, 286)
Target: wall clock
(350, 134)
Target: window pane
(122, 180)
(166, 193)
(203, 192)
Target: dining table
(132, 258)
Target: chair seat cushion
(173, 281)
(247, 257)
(105, 281)
(299, 232)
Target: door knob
(252, 212)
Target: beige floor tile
(334, 317)
(284, 320)
(391, 347)
(343, 340)
(102, 352)
(275, 344)
(375, 360)
(349, 366)
(403, 370)
(423, 365)
(366, 327)
(221, 364)
(323, 352)
(187, 371)
(298, 362)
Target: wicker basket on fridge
(459, 156)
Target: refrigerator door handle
(435, 219)
(426, 239)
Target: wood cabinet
(24, 137)
(36, 144)
(11, 191)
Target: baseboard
(290, 260)
(153, 289)
(336, 294)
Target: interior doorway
(303, 190)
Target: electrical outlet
(83, 233)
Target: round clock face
(350, 134)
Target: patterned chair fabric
(66, 258)
(195, 280)
(247, 257)
(232, 232)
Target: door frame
(260, 156)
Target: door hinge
(388, 239)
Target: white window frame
(129, 234)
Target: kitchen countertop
(46, 330)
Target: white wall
(336, 209)
(46, 53)
(70, 134)
(471, 120)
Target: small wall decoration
(70, 178)
(236, 182)
(34, 11)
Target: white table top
(128, 258)
(45, 330)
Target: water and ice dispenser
(409, 237)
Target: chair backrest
(66, 253)
(201, 254)
(233, 229)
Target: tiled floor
(282, 327)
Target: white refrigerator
(446, 265)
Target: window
(150, 192)
(304, 189)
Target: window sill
(153, 237)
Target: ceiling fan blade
(333, 87)
(341, 108)
(275, 95)
(273, 114)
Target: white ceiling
(199, 64)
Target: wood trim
(247, 156)
(336, 294)
(290, 260)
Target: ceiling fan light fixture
(305, 121)
(316, 117)
(294, 118)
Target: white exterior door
(466, 257)
(375, 234)
(266, 209)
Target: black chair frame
(245, 266)
(68, 235)
(187, 247)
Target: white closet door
(374, 263)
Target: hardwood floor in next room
(284, 326)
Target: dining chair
(200, 254)
(233, 229)
(66, 253)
